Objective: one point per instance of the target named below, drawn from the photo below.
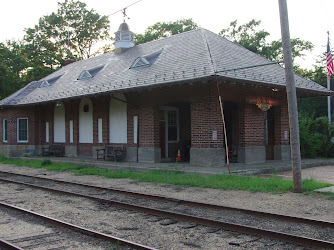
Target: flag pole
(329, 85)
(329, 100)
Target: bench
(116, 151)
(55, 149)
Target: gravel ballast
(126, 223)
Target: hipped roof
(186, 57)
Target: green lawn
(226, 182)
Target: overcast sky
(309, 19)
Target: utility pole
(292, 99)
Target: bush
(315, 137)
(46, 162)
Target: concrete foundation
(131, 154)
(209, 157)
(282, 152)
(152, 155)
(18, 150)
(251, 155)
(72, 151)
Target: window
(49, 82)
(90, 73)
(172, 125)
(4, 126)
(146, 61)
(140, 62)
(44, 83)
(22, 130)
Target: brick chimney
(68, 61)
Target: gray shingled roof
(179, 58)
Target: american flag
(329, 61)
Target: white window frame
(17, 130)
(5, 130)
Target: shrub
(315, 137)
(46, 162)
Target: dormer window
(49, 82)
(84, 75)
(44, 84)
(146, 61)
(90, 73)
(140, 62)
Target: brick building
(156, 98)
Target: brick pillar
(251, 139)
(207, 136)
(282, 139)
(149, 142)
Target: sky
(308, 19)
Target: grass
(226, 182)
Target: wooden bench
(55, 149)
(116, 151)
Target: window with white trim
(4, 127)
(22, 130)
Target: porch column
(251, 139)
(282, 137)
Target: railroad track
(33, 230)
(79, 189)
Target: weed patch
(226, 182)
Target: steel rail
(294, 239)
(8, 246)
(82, 230)
(191, 203)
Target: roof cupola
(124, 38)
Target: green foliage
(73, 30)
(162, 29)
(315, 137)
(11, 64)
(249, 37)
(46, 162)
(226, 182)
(314, 106)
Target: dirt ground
(323, 174)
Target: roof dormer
(124, 38)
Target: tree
(315, 106)
(11, 65)
(249, 37)
(162, 29)
(72, 30)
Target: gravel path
(125, 223)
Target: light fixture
(274, 89)
(58, 104)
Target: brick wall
(199, 116)
(12, 114)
